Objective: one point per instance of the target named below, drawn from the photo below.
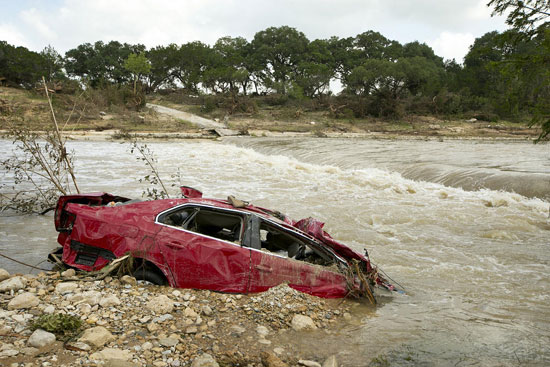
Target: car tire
(149, 276)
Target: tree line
(504, 75)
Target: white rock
(309, 363)
(147, 345)
(238, 329)
(112, 353)
(278, 350)
(97, 336)
(68, 273)
(161, 304)
(330, 362)
(264, 341)
(207, 310)
(13, 284)
(176, 293)
(49, 310)
(67, 287)
(189, 312)
(9, 353)
(205, 360)
(110, 300)
(168, 342)
(127, 279)
(40, 338)
(262, 330)
(302, 322)
(23, 300)
(4, 275)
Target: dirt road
(194, 119)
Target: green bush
(57, 323)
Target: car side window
(210, 222)
(284, 243)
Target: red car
(221, 245)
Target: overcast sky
(448, 26)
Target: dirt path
(194, 119)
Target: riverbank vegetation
(282, 75)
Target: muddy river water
(463, 226)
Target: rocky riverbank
(128, 323)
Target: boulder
(161, 304)
(112, 354)
(205, 360)
(23, 300)
(68, 273)
(97, 336)
(271, 360)
(67, 287)
(110, 300)
(302, 322)
(4, 275)
(40, 338)
(13, 284)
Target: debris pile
(54, 319)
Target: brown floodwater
(463, 226)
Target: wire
(22, 263)
(390, 278)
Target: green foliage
(60, 324)
(21, 67)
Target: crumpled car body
(201, 243)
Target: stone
(118, 363)
(168, 342)
(189, 312)
(278, 350)
(237, 329)
(40, 338)
(262, 330)
(23, 300)
(8, 353)
(49, 310)
(89, 297)
(191, 330)
(264, 341)
(13, 284)
(29, 351)
(97, 336)
(68, 273)
(110, 300)
(302, 322)
(309, 363)
(127, 279)
(79, 345)
(112, 354)
(68, 287)
(331, 362)
(147, 345)
(4, 275)
(206, 310)
(161, 304)
(271, 360)
(205, 360)
(347, 316)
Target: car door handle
(173, 245)
(264, 268)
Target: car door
(271, 266)
(200, 258)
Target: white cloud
(12, 35)
(452, 45)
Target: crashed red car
(195, 242)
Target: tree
(279, 51)
(164, 60)
(138, 65)
(193, 58)
(528, 18)
(523, 15)
(318, 67)
(21, 67)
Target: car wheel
(149, 276)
